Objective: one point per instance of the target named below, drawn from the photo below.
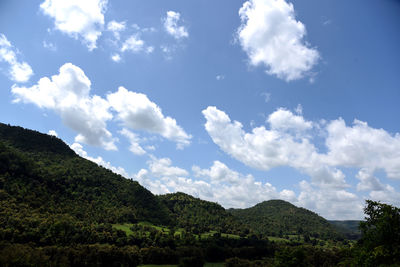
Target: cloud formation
(79, 19)
(69, 95)
(18, 71)
(171, 25)
(218, 183)
(271, 36)
(289, 142)
(137, 112)
(116, 27)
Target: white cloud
(18, 71)
(78, 148)
(330, 203)
(52, 133)
(79, 19)
(265, 149)
(368, 182)
(220, 77)
(162, 167)
(271, 36)
(219, 184)
(68, 94)
(289, 142)
(387, 195)
(133, 44)
(218, 172)
(172, 28)
(362, 146)
(285, 120)
(134, 140)
(116, 27)
(116, 58)
(137, 112)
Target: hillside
(349, 228)
(201, 216)
(44, 183)
(278, 217)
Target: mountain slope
(349, 228)
(201, 216)
(278, 217)
(43, 181)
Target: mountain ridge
(278, 217)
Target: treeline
(57, 209)
(280, 218)
(200, 216)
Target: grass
(126, 227)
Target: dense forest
(279, 218)
(58, 209)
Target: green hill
(278, 218)
(349, 228)
(48, 192)
(201, 216)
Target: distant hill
(201, 216)
(43, 181)
(278, 217)
(349, 228)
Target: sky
(235, 102)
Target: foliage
(380, 241)
(200, 216)
(58, 209)
(279, 218)
(349, 228)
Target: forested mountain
(44, 183)
(278, 218)
(58, 209)
(199, 216)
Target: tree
(380, 241)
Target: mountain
(201, 216)
(278, 217)
(43, 183)
(349, 228)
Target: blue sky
(231, 101)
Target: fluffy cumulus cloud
(217, 183)
(289, 142)
(331, 204)
(133, 44)
(18, 71)
(137, 112)
(271, 36)
(362, 146)
(171, 25)
(68, 94)
(134, 141)
(79, 19)
(285, 144)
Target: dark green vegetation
(200, 216)
(280, 218)
(350, 228)
(380, 241)
(58, 209)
